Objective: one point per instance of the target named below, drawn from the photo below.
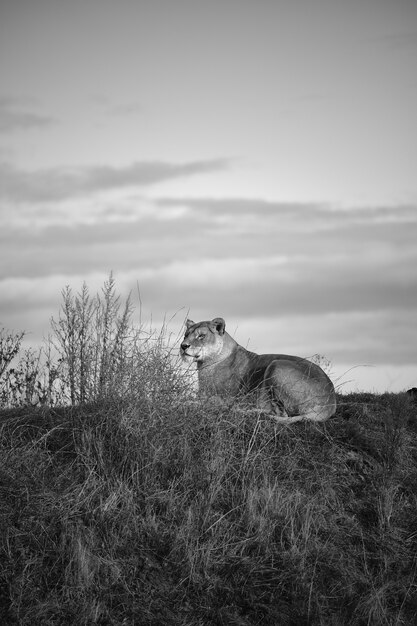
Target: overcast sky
(254, 160)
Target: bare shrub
(10, 343)
(94, 339)
(94, 352)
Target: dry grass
(162, 513)
(137, 506)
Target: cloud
(267, 286)
(298, 212)
(275, 286)
(282, 258)
(57, 184)
(295, 278)
(108, 106)
(127, 109)
(360, 337)
(15, 116)
(237, 206)
(363, 338)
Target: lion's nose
(185, 345)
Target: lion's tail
(313, 416)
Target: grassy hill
(125, 502)
(152, 511)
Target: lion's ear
(219, 324)
(189, 323)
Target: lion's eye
(202, 337)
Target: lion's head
(203, 341)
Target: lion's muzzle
(184, 347)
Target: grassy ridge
(157, 512)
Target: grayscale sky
(255, 160)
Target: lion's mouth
(184, 353)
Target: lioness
(289, 386)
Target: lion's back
(258, 364)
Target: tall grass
(157, 512)
(94, 351)
(143, 508)
(95, 340)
